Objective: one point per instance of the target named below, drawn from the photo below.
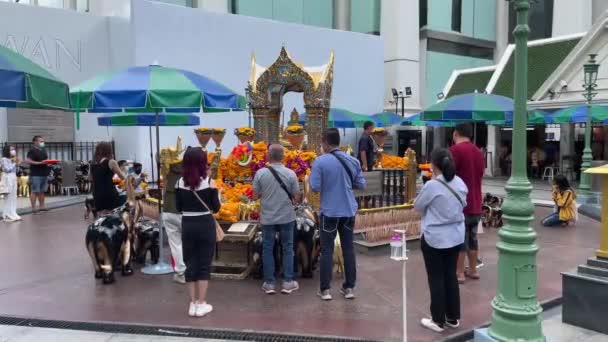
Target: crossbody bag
(281, 183)
(452, 191)
(346, 168)
(219, 232)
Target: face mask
(13, 153)
(42, 145)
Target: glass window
(424, 13)
(541, 19)
(365, 16)
(457, 15)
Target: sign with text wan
(53, 125)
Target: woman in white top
(9, 163)
(441, 202)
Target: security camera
(563, 84)
(408, 91)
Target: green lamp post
(516, 311)
(590, 84)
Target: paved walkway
(24, 206)
(10, 333)
(48, 275)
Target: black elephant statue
(147, 233)
(109, 240)
(306, 242)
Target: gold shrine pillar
(273, 126)
(260, 124)
(316, 123)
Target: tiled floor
(10, 333)
(557, 331)
(46, 273)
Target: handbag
(3, 183)
(219, 232)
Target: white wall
(73, 46)
(571, 17)
(220, 46)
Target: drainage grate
(233, 335)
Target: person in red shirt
(470, 167)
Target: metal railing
(74, 151)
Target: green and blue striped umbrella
(415, 120)
(154, 89)
(342, 118)
(387, 119)
(535, 117)
(133, 120)
(578, 114)
(469, 107)
(25, 84)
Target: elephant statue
(109, 240)
(147, 233)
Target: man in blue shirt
(335, 174)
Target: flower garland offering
(295, 129)
(218, 130)
(243, 153)
(244, 131)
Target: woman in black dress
(197, 198)
(105, 195)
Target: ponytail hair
(443, 160)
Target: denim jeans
(552, 220)
(286, 232)
(330, 226)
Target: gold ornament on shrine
(268, 85)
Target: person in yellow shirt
(565, 204)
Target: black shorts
(470, 233)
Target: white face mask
(13, 153)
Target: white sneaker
(179, 278)
(192, 309)
(202, 309)
(325, 295)
(429, 324)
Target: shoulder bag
(281, 183)
(346, 168)
(451, 190)
(219, 232)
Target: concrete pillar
(438, 137)
(70, 4)
(399, 29)
(571, 17)
(342, 15)
(219, 6)
(566, 141)
(502, 29)
(598, 9)
(493, 148)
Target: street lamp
(399, 95)
(590, 84)
(516, 312)
(248, 91)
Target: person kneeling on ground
(565, 205)
(441, 202)
(277, 188)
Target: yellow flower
(295, 129)
(246, 131)
(204, 130)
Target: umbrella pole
(151, 154)
(161, 267)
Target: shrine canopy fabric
(25, 84)
(152, 89)
(342, 118)
(535, 117)
(469, 107)
(578, 114)
(415, 120)
(127, 120)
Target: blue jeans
(552, 220)
(286, 232)
(330, 227)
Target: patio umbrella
(25, 84)
(136, 120)
(474, 107)
(535, 117)
(415, 120)
(386, 119)
(154, 89)
(342, 118)
(578, 114)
